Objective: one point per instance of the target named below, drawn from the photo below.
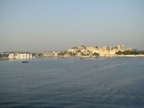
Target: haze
(43, 25)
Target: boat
(25, 61)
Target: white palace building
(20, 55)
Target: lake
(72, 83)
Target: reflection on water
(73, 83)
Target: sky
(45, 25)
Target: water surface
(72, 83)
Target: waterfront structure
(80, 52)
(89, 51)
(48, 54)
(11, 56)
(102, 51)
(20, 55)
(51, 53)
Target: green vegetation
(74, 47)
(83, 46)
(61, 53)
(96, 54)
(84, 54)
(127, 52)
(39, 55)
(140, 52)
(4, 55)
(71, 54)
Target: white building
(11, 55)
(20, 56)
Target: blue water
(72, 83)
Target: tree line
(127, 52)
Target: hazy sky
(42, 25)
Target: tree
(71, 54)
(140, 52)
(95, 54)
(78, 51)
(83, 47)
(127, 52)
(119, 53)
(74, 47)
(61, 53)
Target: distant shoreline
(72, 57)
(79, 52)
